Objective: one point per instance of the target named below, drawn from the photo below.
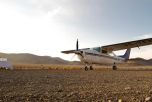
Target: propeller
(77, 45)
(77, 49)
(73, 57)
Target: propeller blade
(73, 57)
(77, 45)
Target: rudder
(127, 54)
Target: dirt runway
(75, 85)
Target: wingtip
(63, 52)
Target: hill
(26, 58)
(140, 61)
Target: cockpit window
(112, 54)
(97, 49)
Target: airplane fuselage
(93, 57)
(102, 54)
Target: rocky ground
(76, 85)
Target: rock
(60, 90)
(46, 76)
(70, 94)
(120, 100)
(135, 100)
(128, 88)
(150, 91)
(109, 101)
(138, 92)
(148, 99)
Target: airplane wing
(73, 51)
(69, 51)
(126, 45)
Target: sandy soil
(75, 85)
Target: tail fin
(127, 54)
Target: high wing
(73, 51)
(68, 51)
(126, 45)
(115, 47)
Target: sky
(47, 27)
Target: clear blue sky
(46, 27)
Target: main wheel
(114, 67)
(91, 68)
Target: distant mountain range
(140, 61)
(26, 58)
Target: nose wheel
(88, 67)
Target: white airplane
(105, 54)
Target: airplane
(105, 54)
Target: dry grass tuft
(77, 67)
(46, 66)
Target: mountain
(26, 58)
(150, 61)
(140, 61)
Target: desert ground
(76, 85)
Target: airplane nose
(81, 53)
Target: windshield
(97, 49)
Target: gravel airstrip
(75, 86)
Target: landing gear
(88, 67)
(91, 68)
(114, 67)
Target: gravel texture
(75, 86)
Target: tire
(91, 68)
(86, 68)
(114, 67)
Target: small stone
(150, 91)
(135, 100)
(79, 101)
(60, 90)
(120, 100)
(70, 94)
(138, 92)
(127, 88)
(109, 101)
(148, 99)
(46, 76)
(102, 101)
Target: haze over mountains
(140, 61)
(26, 58)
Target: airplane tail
(127, 54)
